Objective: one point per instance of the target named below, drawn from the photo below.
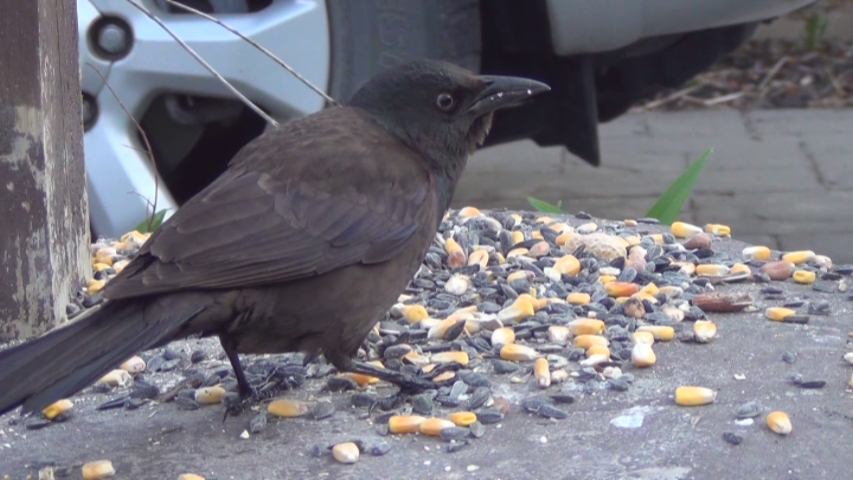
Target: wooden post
(44, 218)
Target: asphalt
(781, 178)
(638, 434)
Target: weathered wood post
(44, 219)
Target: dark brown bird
(301, 244)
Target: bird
(301, 245)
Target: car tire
(368, 38)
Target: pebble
(732, 438)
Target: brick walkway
(783, 178)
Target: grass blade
(544, 207)
(156, 221)
(669, 205)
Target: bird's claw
(246, 400)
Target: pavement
(781, 178)
(639, 434)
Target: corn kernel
(694, 396)
(98, 470)
(468, 212)
(621, 289)
(578, 298)
(517, 237)
(558, 334)
(433, 426)
(643, 337)
(346, 452)
(779, 422)
(520, 309)
(586, 341)
(663, 333)
(542, 373)
(503, 336)
(799, 257)
(513, 351)
(717, 229)
(480, 257)
(568, 265)
(57, 408)
(712, 270)
(758, 252)
(95, 286)
(463, 419)
(586, 326)
(450, 357)
(642, 355)
(739, 268)
(805, 277)
(404, 423)
(606, 279)
(598, 350)
(287, 408)
(455, 254)
(779, 314)
(704, 331)
(683, 229)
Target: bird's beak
(503, 92)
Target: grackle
(301, 245)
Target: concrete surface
(639, 434)
(782, 178)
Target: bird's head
(441, 110)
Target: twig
(723, 98)
(672, 97)
(150, 152)
(834, 81)
(762, 87)
(206, 65)
(259, 47)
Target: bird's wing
(253, 230)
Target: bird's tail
(70, 358)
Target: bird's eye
(445, 102)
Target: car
(600, 57)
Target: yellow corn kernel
(687, 268)
(621, 289)
(657, 238)
(190, 476)
(414, 313)
(642, 355)
(134, 364)
(444, 376)
(287, 408)
(100, 266)
(564, 238)
(209, 395)
(799, 257)
(663, 333)
(632, 240)
(517, 252)
(560, 227)
(758, 252)
(643, 337)
(586, 326)
(413, 358)
(517, 352)
(650, 289)
(503, 336)
(558, 333)
(455, 254)
(520, 309)
(540, 249)
(462, 419)
(559, 376)
(740, 268)
(405, 423)
(433, 426)
(57, 408)
(598, 350)
(542, 373)
(450, 357)
(117, 378)
(630, 222)
(468, 212)
(683, 229)
(95, 286)
(718, 229)
(606, 279)
(346, 452)
(578, 298)
(778, 314)
(779, 422)
(98, 470)
(517, 237)
(676, 314)
(712, 270)
(480, 257)
(568, 265)
(644, 296)
(587, 341)
(694, 396)
(536, 303)
(671, 291)
(362, 379)
(805, 277)
(704, 331)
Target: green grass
(815, 28)
(151, 225)
(668, 206)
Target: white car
(599, 56)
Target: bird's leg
(230, 350)
(247, 393)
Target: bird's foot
(235, 405)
